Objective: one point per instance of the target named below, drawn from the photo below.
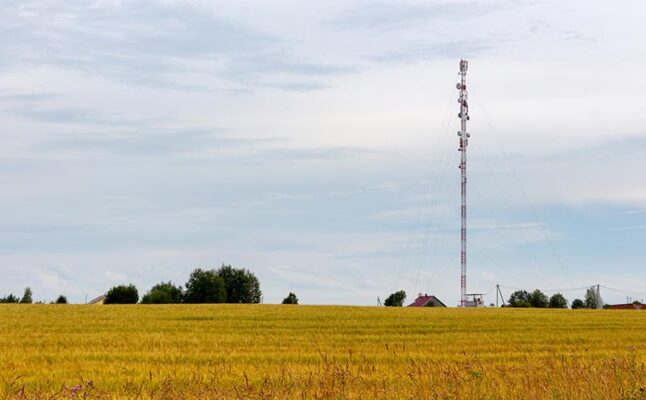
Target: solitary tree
(26, 297)
(290, 299)
(122, 294)
(578, 303)
(593, 298)
(395, 299)
(538, 299)
(61, 300)
(520, 298)
(163, 293)
(242, 285)
(558, 301)
(205, 287)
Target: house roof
(628, 306)
(422, 301)
(98, 300)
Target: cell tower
(464, 141)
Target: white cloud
(145, 141)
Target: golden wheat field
(319, 352)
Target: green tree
(205, 287)
(10, 299)
(122, 294)
(163, 293)
(26, 297)
(242, 285)
(520, 298)
(558, 301)
(61, 300)
(593, 298)
(290, 299)
(395, 299)
(538, 299)
(577, 303)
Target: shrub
(520, 298)
(122, 294)
(241, 285)
(26, 297)
(395, 299)
(290, 299)
(558, 301)
(578, 303)
(538, 299)
(593, 298)
(10, 299)
(163, 293)
(205, 287)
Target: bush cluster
(27, 298)
(223, 285)
(538, 299)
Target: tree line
(525, 299)
(538, 299)
(223, 285)
(27, 298)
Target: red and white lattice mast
(464, 141)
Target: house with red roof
(629, 306)
(427, 301)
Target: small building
(474, 300)
(427, 301)
(627, 306)
(98, 300)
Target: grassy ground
(282, 352)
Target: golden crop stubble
(273, 351)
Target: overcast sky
(315, 144)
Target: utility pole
(464, 141)
(497, 291)
(599, 296)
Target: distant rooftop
(627, 306)
(98, 300)
(427, 301)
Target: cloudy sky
(314, 143)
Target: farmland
(283, 352)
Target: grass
(297, 352)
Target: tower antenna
(464, 141)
